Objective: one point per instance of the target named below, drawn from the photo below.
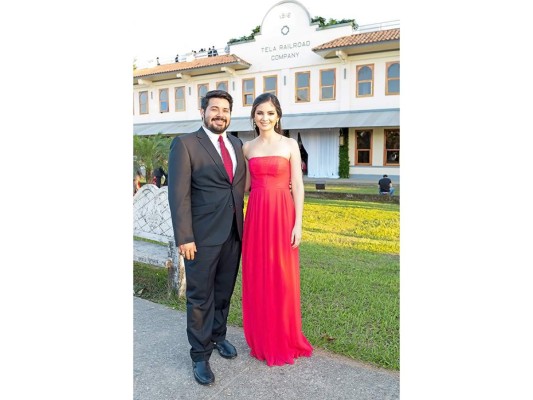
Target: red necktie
(226, 158)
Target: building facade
(337, 87)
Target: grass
(350, 266)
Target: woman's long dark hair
(263, 98)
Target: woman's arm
(245, 149)
(297, 190)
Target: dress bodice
(272, 172)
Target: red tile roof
(188, 65)
(361, 38)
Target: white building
(337, 86)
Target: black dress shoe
(202, 372)
(226, 349)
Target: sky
(207, 23)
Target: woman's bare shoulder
(248, 145)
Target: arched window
(163, 100)
(222, 85)
(393, 78)
(365, 80)
(179, 99)
(143, 102)
(202, 91)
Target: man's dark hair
(218, 94)
(385, 176)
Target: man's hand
(187, 250)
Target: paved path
(162, 368)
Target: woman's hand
(296, 236)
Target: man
(206, 198)
(385, 186)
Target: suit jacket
(202, 200)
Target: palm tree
(151, 152)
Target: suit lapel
(238, 153)
(206, 143)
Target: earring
(277, 124)
(253, 122)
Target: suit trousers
(211, 280)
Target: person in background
(385, 186)
(304, 156)
(271, 309)
(206, 177)
(137, 181)
(165, 181)
(159, 173)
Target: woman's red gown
(270, 267)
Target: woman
(272, 233)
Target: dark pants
(211, 279)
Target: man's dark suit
(207, 209)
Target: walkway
(162, 368)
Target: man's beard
(216, 128)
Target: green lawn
(350, 267)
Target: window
(363, 147)
(302, 87)
(248, 92)
(365, 80)
(179, 98)
(223, 85)
(327, 84)
(202, 91)
(163, 100)
(270, 84)
(393, 78)
(143, 102)
(392, 147)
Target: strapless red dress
(270, 267)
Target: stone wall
(151, 214)
(353, 196)
(152, 221)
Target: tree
(344, 158)
(151, 152)
(251, 36)
(322, 22)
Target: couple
(209, 172)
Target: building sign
(284, 51)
